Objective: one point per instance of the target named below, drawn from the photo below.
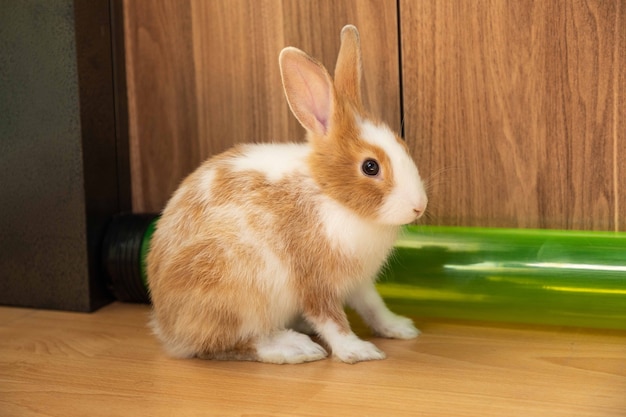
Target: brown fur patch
(243, 351)
(194, 299)
(336, 166)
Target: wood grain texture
(514, 110)
(108, 364)
(203, 75)
(619, 117)
(162, 102)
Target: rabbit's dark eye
(370, 167)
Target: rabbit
(266, 239)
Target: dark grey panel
(47, 256)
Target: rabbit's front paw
(357, 350)
(397, 327)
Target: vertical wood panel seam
(400, 72)
(616, 88)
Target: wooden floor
(108, 364)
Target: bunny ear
(348, 67)
(308, 88)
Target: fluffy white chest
(356, 237)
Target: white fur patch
(408, 193)
(348, 347)
(371, 307)
(206, 180)
(288, 346)
(357, 237)
(274, 160)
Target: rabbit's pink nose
(419, 210)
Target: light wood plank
(108, 364)
(7, 315)
(511, 108)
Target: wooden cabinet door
(203, 75)
(516, 110)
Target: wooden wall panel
(514, 110)
(203, 75)
(162, 102)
